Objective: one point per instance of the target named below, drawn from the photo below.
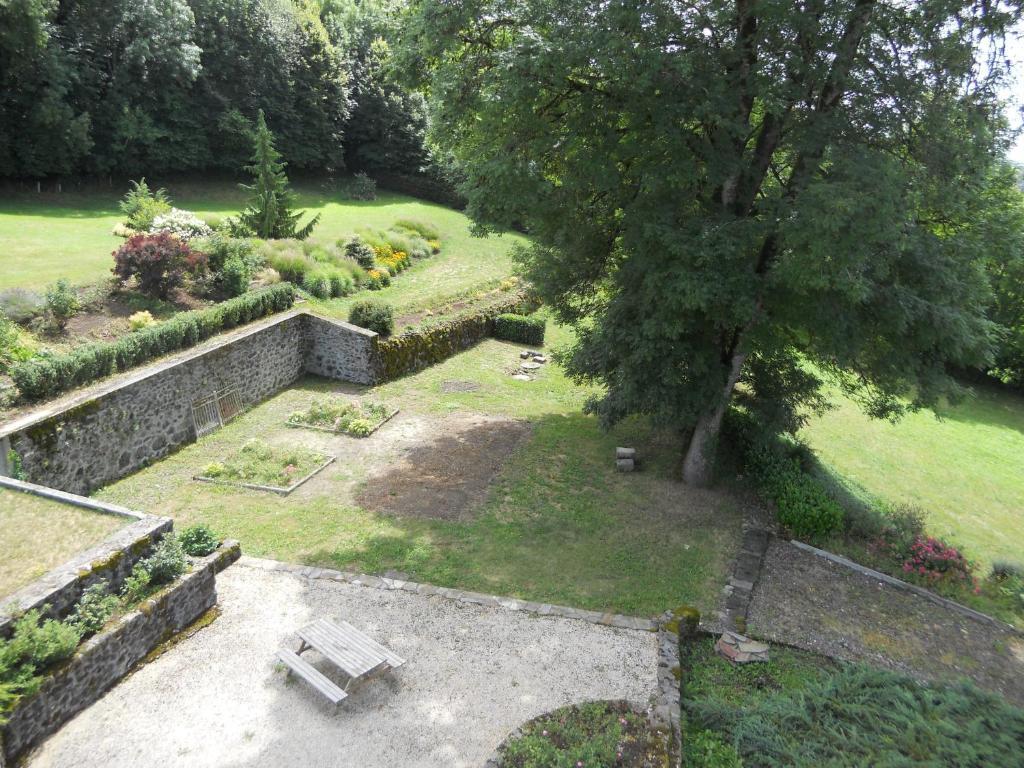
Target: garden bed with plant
(263, 467)
(604, 734)
(358, 419)
(52, 668)
(802, 710)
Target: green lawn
(37, 534)
(50, 236)
(557, 524)
(965, 470)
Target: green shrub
(358, 251)
(12, 347)
(863, 716)
(801, 503)
(140, 205)
(522, 329)
(94, 608)
(61, 303)
(167, 561)
(43, 377)
(409, 243)
(232, 262)
(291, 266)
(374, 316)
(317, 283)
(423, 229)
(136, 584)
(139, 320)
(361, 187)
(41, 644)
(341, 284)
(198, 540)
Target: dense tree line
(128, 87)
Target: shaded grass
(37, 534)
(965, 470)
(558, 525)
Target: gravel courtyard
(473, 673)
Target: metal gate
(216, 410)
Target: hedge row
(413, 351)
(522, 329)
(44, 377)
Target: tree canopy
(722, 192)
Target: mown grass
(558, 524)
(965, 469)
(37, 534)
(50, 236)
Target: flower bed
(343, 417)
(262, 467)
(600, 733)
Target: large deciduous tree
(719, 192)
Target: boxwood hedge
(47, 376)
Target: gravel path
(473, 674)
(807, 601)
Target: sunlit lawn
(50, 236)
(966, 470)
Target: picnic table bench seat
(356, 655)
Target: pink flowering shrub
(934, 561)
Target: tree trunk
(700, 460)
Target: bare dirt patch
(448, 476)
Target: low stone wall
(86, 441)
(419, 349)
(111, 560)
(105, 658)
(340, 350)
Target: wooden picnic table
(359, 657)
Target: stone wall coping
(70, 498)
(898, 584)
(128, 378)
(637, 623)
(359, 330)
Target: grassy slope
(26, 552)
(559, 525)
(965, 470)
(51, 236)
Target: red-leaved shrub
(158, 263)
(935, 561)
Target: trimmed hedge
(44, 377)
(416, 350)
(375, 316)
(520, 328)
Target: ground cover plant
(551, 520)
(358, 419)
(27, 555)
(800, 710)
(257, 463)
(594, 734)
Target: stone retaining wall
(105, 658)
(112, 559)
(341, 351)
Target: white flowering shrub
(184, 224)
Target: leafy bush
(21, 304)
(705, 749)
(361, 253)
(317, 283)
(374, 316)
(13, 348)
(41, 644)
(95, 607)
(801, 503)
(185, 225)
(167, 561)
(232, 262)
(43, 377)
(141, 319)
(61, 303)
(291, 267)
(159, 263)
(361, 187)
(141, 206)
(862, 716)
(935, 561)
(198, 540)
(522, 329)
(421, 228)
(377, 279)
(136, 584)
